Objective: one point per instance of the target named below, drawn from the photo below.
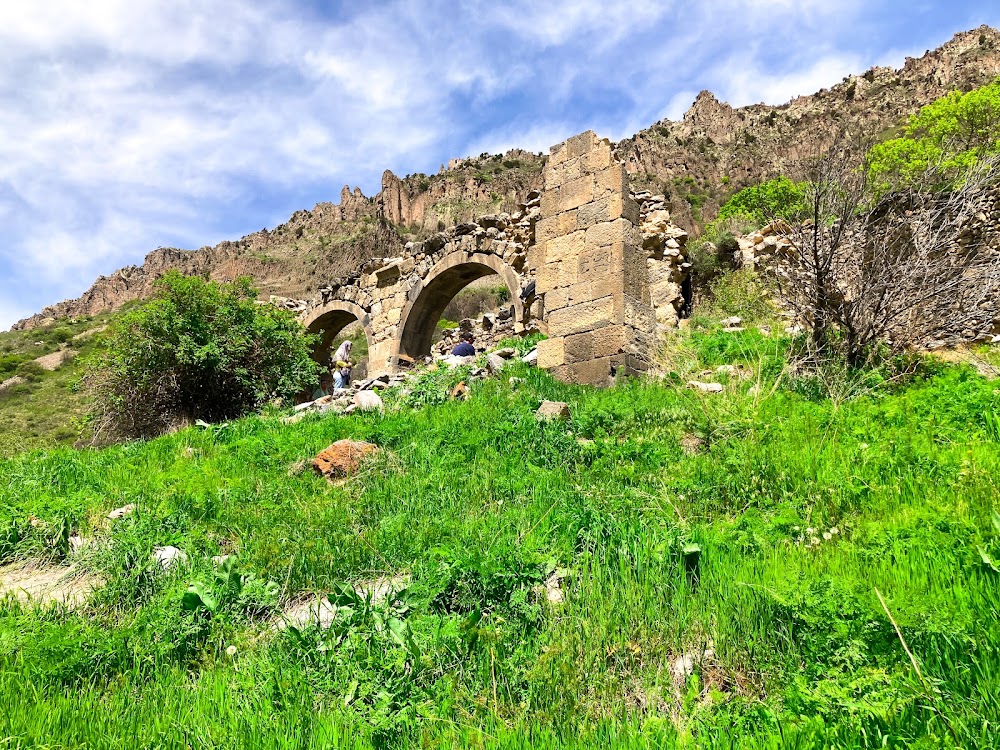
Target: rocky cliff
(717, 149)
(696, 163)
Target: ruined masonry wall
(591, 267)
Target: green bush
(756, 205)
(30, 371)
(743, 293)
(946, 136)
(198, 350)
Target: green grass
(47, 410)
(479, 503)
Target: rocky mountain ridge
(696, 163)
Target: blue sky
(131, 124)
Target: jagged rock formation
(696, 163)
(716, 149)
(467, 189)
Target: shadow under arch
(429, 298)
(330, 319)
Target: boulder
(368, 401)
(550, 410)
(495, 363)
(343, 458)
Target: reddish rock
(343, 458)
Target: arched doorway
(330, 322)
(428, 299)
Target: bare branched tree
(900, 269)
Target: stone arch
(332, 317)
(428, 299)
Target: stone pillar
(592, 268)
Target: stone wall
(596, 268)
(591, 267)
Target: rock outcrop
(717, 149)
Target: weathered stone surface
(368, 401)
(343, 458)
(495, 363)
(553, 410)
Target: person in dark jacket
(465, 348)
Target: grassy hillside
(718, 558)
(45, 410)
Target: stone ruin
(601, 271)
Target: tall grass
(726, 556)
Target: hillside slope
(696, 162)
(665, 569)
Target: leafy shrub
(30, 371)
(8, 364)
(779, 198)
(949, 134)
(198, 350)
(743, 293)
(434, 387)
(231, 591)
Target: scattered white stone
(219, 559)
(121, 512)
(553, 589)
(168, 557)
(451, 360)
(683, 666)
(705, 387)
(368, 401)
(317, 610)
(531, 357)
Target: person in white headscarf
(343, 353)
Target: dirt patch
(41, 583)
(11, 382)
(54, 361)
